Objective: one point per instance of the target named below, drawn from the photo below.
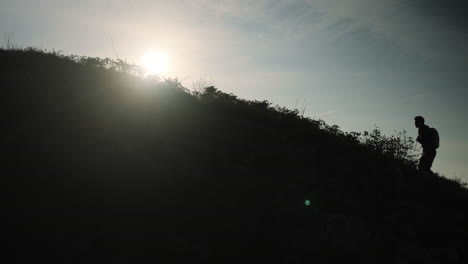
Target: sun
(156, 62)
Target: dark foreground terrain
(100, 166)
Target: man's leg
(425, 163)
(430, 159)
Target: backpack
(435, 137)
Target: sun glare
(156, 62)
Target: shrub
(398, 146)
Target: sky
(352, 63)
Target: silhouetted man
(429, 139)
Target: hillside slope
(102, 166)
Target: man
(428, 138)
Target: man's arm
(423, 136)
(419, 138)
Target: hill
(103, 166)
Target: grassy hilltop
(103, 166)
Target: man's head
(419, 121)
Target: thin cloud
(411, 26)
(327, 113)
(418, 97)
